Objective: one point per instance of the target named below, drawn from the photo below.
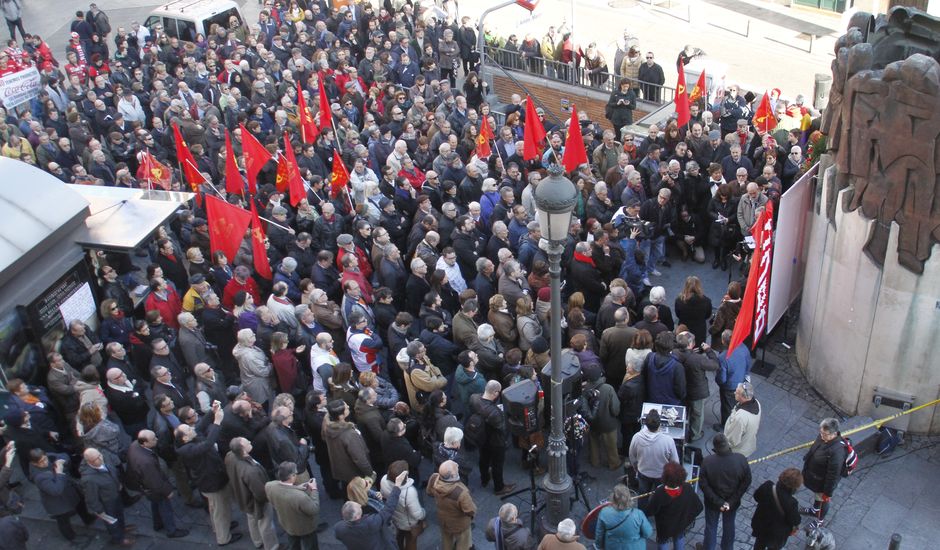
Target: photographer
(733, 108)
(633, 270)
(690, 236)
(620, 105)
(660, 212)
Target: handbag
(773, 491)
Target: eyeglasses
(649, 58)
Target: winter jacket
(58, 493)
(255, 372)
(369, 532)
(100, 487)
(529, 329)
(725, 477)
(455, 506)
(767, 522)
(144, 472)
(733, 370)
(497, 432)
(607, 416)
(822, 465)
(622, 529)
(552, 542)
(409, 511)
(742, 425)
(203, 462)
(650, 451)
(349, 456)
(673, 514)
(696, 365)
(297, 508)
(725, 317)
(109, 439)
(632, 396)
(514, 535)
(468, 384)
(694, 313)
(665, 379)
(247, 478)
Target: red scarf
(674, 493)
(586, 259)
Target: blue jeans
(657, 251)
(727, 529)
(677, 543)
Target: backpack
(592, 400)
(888, 440)
(474, 430)
(851, 458)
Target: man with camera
(636, 232)
(661, 214)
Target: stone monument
(870, 311)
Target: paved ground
(886, 495)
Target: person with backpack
(777, 514)
(665, 375)
(602, 410)
(487, 428)
(650, 451)
(824, 465)
(620, 524)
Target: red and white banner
(753, 316)
(19, 87)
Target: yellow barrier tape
(876, 424)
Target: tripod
(531, 461)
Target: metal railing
(491, 62)
(569, 73)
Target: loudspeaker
(571, 378)
(521, 401)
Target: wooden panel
(552, 95)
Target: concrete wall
(862, 326)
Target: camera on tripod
(626, 225)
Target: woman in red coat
(165, 300)
(286, 366)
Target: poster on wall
(71, 297)
(80, 305)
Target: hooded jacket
(665, 379)
(650, 451)
(455, 506)
(409, 510)
(349, 456)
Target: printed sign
(19, 87)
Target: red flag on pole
(233, 179)
(280, 180)
(191, 173)
(326, 120)
(258, 251)
(575, 154)
(764, 118)
(753, 316)
(682, 98)
(295, 183)
(340, 175)
(227, 225)
(153, 171)
(308, 128)
(698, 91)
(256, 156)
(534, 135)
(483, 149)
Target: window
(222, 19)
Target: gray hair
(288, 264)
(244, 336)
(650, 313)
(684, 339)
(747, 392)
(185, 318)
(453, 436)
(508, 512)
(566, 530)
(582, 248)
(485, 332)
(830, 425)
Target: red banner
(256, 156)
(753, 316)
(227, 225)
(534, 133)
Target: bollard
(895, 543)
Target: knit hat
(545, 294)
(540, 344)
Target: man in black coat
(145, 474)
(417, 286)
(325, 275)
(584, 277)
(724, 479)
(163, 383)
(207, 471)
(127, 400)
(172, 266)
(493, 450)
(651, 79)
(395, 446)
(283, 444)
(241, 419)
(696, 364)
(467, 246)
(102, 489)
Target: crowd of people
(369, 367)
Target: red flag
(233, 179)
(256, 156)
(280, 180)
(153, 171)
(227, 225)
(485, 128)
(764, 118)
(483, 149)
(295, 183)
(534, 134)
(682, 98)
(753, 315)
(575, 154)
(698, 91)
(326, 120)
(308, 129)
(191, 173)
(258, 250)
(340, 175)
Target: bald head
(449, 471)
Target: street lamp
(555, 198)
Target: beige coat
(741, 429)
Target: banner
(752, 319)
(19, 87)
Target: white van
(184, 19)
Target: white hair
(485, 332)
(453, 436)
(566, 528)
(658, 295)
